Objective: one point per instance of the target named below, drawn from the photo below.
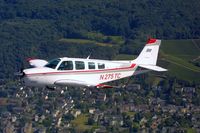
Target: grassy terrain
(154, 79)
(196, 42)
(103, 38)
(190, 130)
(80, 123)
(84, 41)
(178, 54)
(179, 47)
(130, 113)
(181, 62)
(96, 39)
(124, 57)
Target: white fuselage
(77, 72)
(89, 72)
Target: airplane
(89, 72)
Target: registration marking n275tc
(109, 76)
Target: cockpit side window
(79, 65)
(66, 65)
(53, 63)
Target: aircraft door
(66, 65)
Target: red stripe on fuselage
(123, 68)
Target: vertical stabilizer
(149, 54)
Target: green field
(80, 123)
(177, 54)
(124, 57)
(180, 47)
(84, 41)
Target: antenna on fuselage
(89, 56)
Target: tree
(90, 121)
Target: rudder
(149, 54)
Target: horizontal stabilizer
(153, 67)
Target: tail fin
(149, 55)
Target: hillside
(49, 29)
(102, 29)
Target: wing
(70, 82)
(103, 86)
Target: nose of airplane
(28, 79)
(32, 77)
(20, 74)
(24, 78)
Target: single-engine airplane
(89, 72)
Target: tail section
(149, 55)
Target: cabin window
(79, 65)
(101, 66)
(66, 65)
(91, 65)
(53, 63)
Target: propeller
(20, 73)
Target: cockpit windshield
(53, 63)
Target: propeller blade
(18, 73)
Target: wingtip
(29, 59)
(103, 86)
